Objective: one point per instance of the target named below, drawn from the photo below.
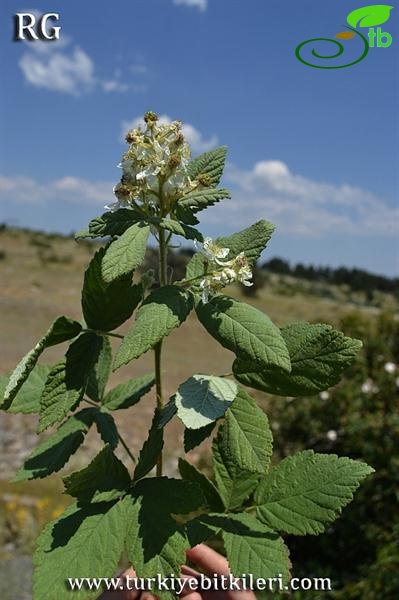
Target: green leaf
(162, 311)
(194, 437)
(202, 399)
(234, 484)
(150, 451)
(369, 16)
(99, 374)
(105, 478)
(187, 206)
(190, 473)
(251, 547)
(54, 452)
(155, 544)
(83, 542)
(179, 497)
(127, 394)
(27, 399)
(244, 330)
(107, 305)
(61, 330)
(107, 429)
(247, 439)
(167, 412)
(111, 223)
(252, 241)
(201, 199)
(319, 355)
(209, 164)
(67, 380)
(126, 253)
(190, 233)
(307, 491)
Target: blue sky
(314, 151)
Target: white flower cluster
(234, 270)
(155, 164)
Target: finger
(147, 596)
(189, 571)
(210, 561)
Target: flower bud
(150, 118)
(174, 161)
(122, 191)
(131, 137)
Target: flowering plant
(154, 518)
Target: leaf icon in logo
(369, 16)
(345, 35)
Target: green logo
(365, 17)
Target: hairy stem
(163, 265)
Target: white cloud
(200, 4)
(72, 73)
(194, 137)
(26, 190)
(299, 205)
(61, 67)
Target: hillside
(41, 278)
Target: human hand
(209, 561)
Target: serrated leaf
(234, 484)
(247, 439)
(127, 394)
(179, 497)
(196, 201)
(126, 253)
(54, 452)
(369, 16)
(194, 437)
(83, 542)
(202, 399)
(61, 330)
(251, 547)
(162, 311)
(155, 544)
(106, 428)
(189, 472)
(307, 491)
(209, 164)
(319, 355)
(201, 199)
(244, 330)
(67, 380)
(190, 233)
(151, 450)
(112, 223)
(252, 241)
(27, 399)
(107, 305)
(167, 413)
(99, 374)
(105, 478)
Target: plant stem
(126, 447)
(163, 249)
